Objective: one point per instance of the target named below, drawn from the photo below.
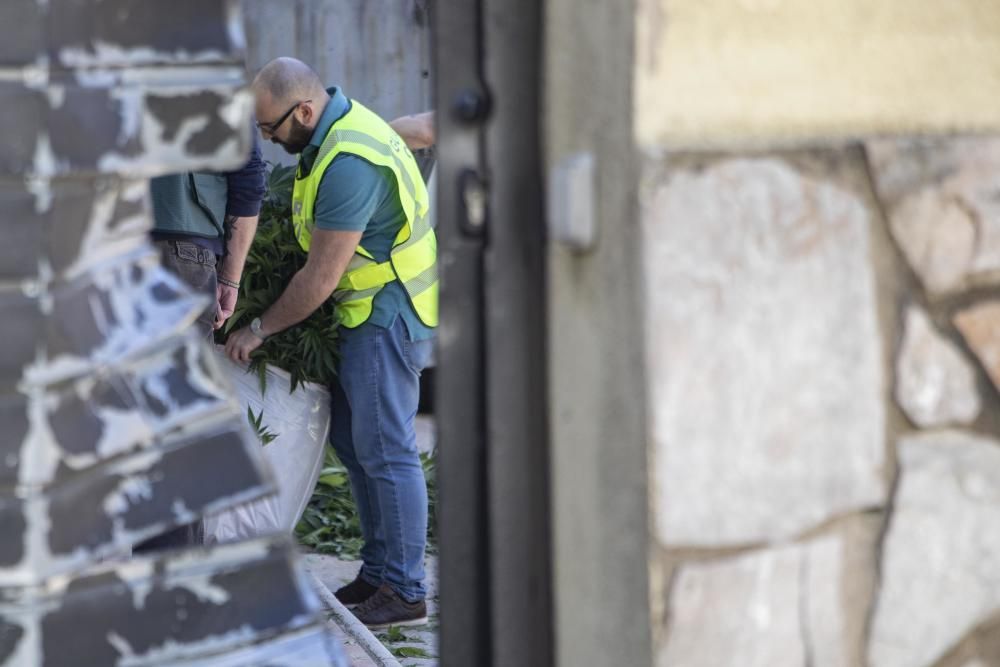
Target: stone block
(765, 357)
(935, 384)
(744, 610)
(940, 196)
(980, 326)
(795, 605)
(941, 557)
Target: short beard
(299, 137)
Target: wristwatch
(255, 329)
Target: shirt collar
(334, 111)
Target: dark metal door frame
(493, 520)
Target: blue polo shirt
(358, 196)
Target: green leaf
(333, 480)
(410, 652)
(273, 259)
(262, 377)
(394, 634)
(265, 435)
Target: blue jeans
(371, 431)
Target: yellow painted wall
(725, 72)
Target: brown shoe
(387, 608)
(355, 592)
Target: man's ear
(308, 114)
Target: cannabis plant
(307, 350)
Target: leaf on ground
(394, 634)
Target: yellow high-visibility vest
(413, 258)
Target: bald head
(286, 81)
(289, 99)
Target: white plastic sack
(300, 421)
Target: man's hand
(239, 237)
(226, 304)
(241, 343)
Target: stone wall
(823, 342)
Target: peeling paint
(40, 454)
(126, 418)
(162, 319)
(202, 587)
(121, 645)
(128, 492)
(103, 53)
(41, 188)
(100, 242)
(97, 78)
(131, 111)
(56, 96)
(45, 163)
(35, 75)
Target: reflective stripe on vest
(413, 258)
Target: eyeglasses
(271, 128)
